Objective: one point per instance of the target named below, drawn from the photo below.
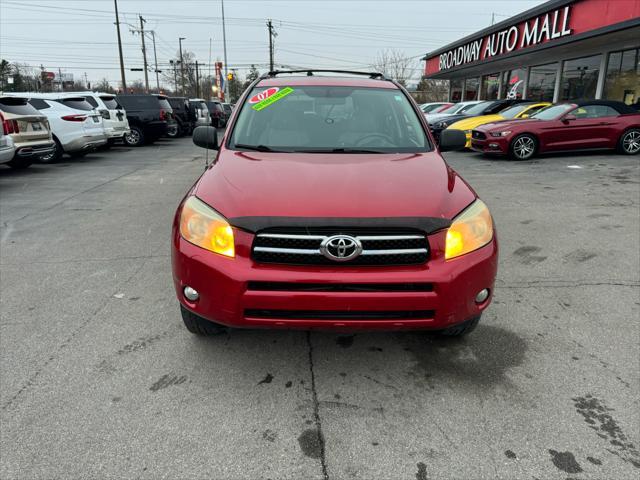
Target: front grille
(379, 247)
(340, 314)
(339, 287)
(478, 135)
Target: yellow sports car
(520, 110)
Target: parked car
(76, 127)
(292, 226)
(25, 132)
(183, 113)
(521, 110)
(201, 112)
(172, 123)
(435, 107)
(489, 107)
(114, 117)
(593, 124)
(147, 118)
(218, 117)
(228, 110)
(455, 109)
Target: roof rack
(311, 71)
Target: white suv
(114, 116)
(77, 128)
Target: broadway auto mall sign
(541, 29)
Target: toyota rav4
(328, 206)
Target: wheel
(53, 156)
(199, 326)
(18, 163)
(173, 131)
(523, 147)
(462, 329)
(135, 138)
(629, 143)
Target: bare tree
(431, 90)
(394, 64)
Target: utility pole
(493, 18)
(224, 47)
(155, 58)
(144, 54)
(124, 82)
(60, 79)
(197, 81)
(181, 64)
(86, 81)
(272, 34)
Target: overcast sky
(79, 36)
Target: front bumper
(227, 296)
(492, 145)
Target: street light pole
(224, 47)
(181, 64)
(124, 82)
(144, 55)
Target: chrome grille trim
(301, 251)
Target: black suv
(184, 115)
(148, 117)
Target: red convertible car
(585, 125)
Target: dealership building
(560, 50)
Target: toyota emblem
(340, 248)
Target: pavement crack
(316, 410)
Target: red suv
(328, 206)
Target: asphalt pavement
(99, 378)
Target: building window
(455, 93)
(471, 89)
(542, 82)
(580, 78)
(623, 77)
(490, 86)
(513, 83)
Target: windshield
(430, 108)
(554, 111)
(477, 109)
(328, 119)
(512, 112)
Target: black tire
(135, 138)
(461, 329)
(173, 131)
(19, 163)
(523, 147)
(629, 142)
(199, 326)
(55, 155)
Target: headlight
(469, 231)
(203, 226)
(500, 134)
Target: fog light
(191, 294)
(494, 145)
(482, 296)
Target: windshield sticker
(273, 98)
(258, 97)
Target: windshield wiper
(257, 148)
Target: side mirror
(452, 140)
(569, 118)
(206, 137)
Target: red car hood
(243, 184)
(505, 124)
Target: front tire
(461, 329)
(135, 137)
(629, 143)
(200, 326)
(173, 131)
(523, 147)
